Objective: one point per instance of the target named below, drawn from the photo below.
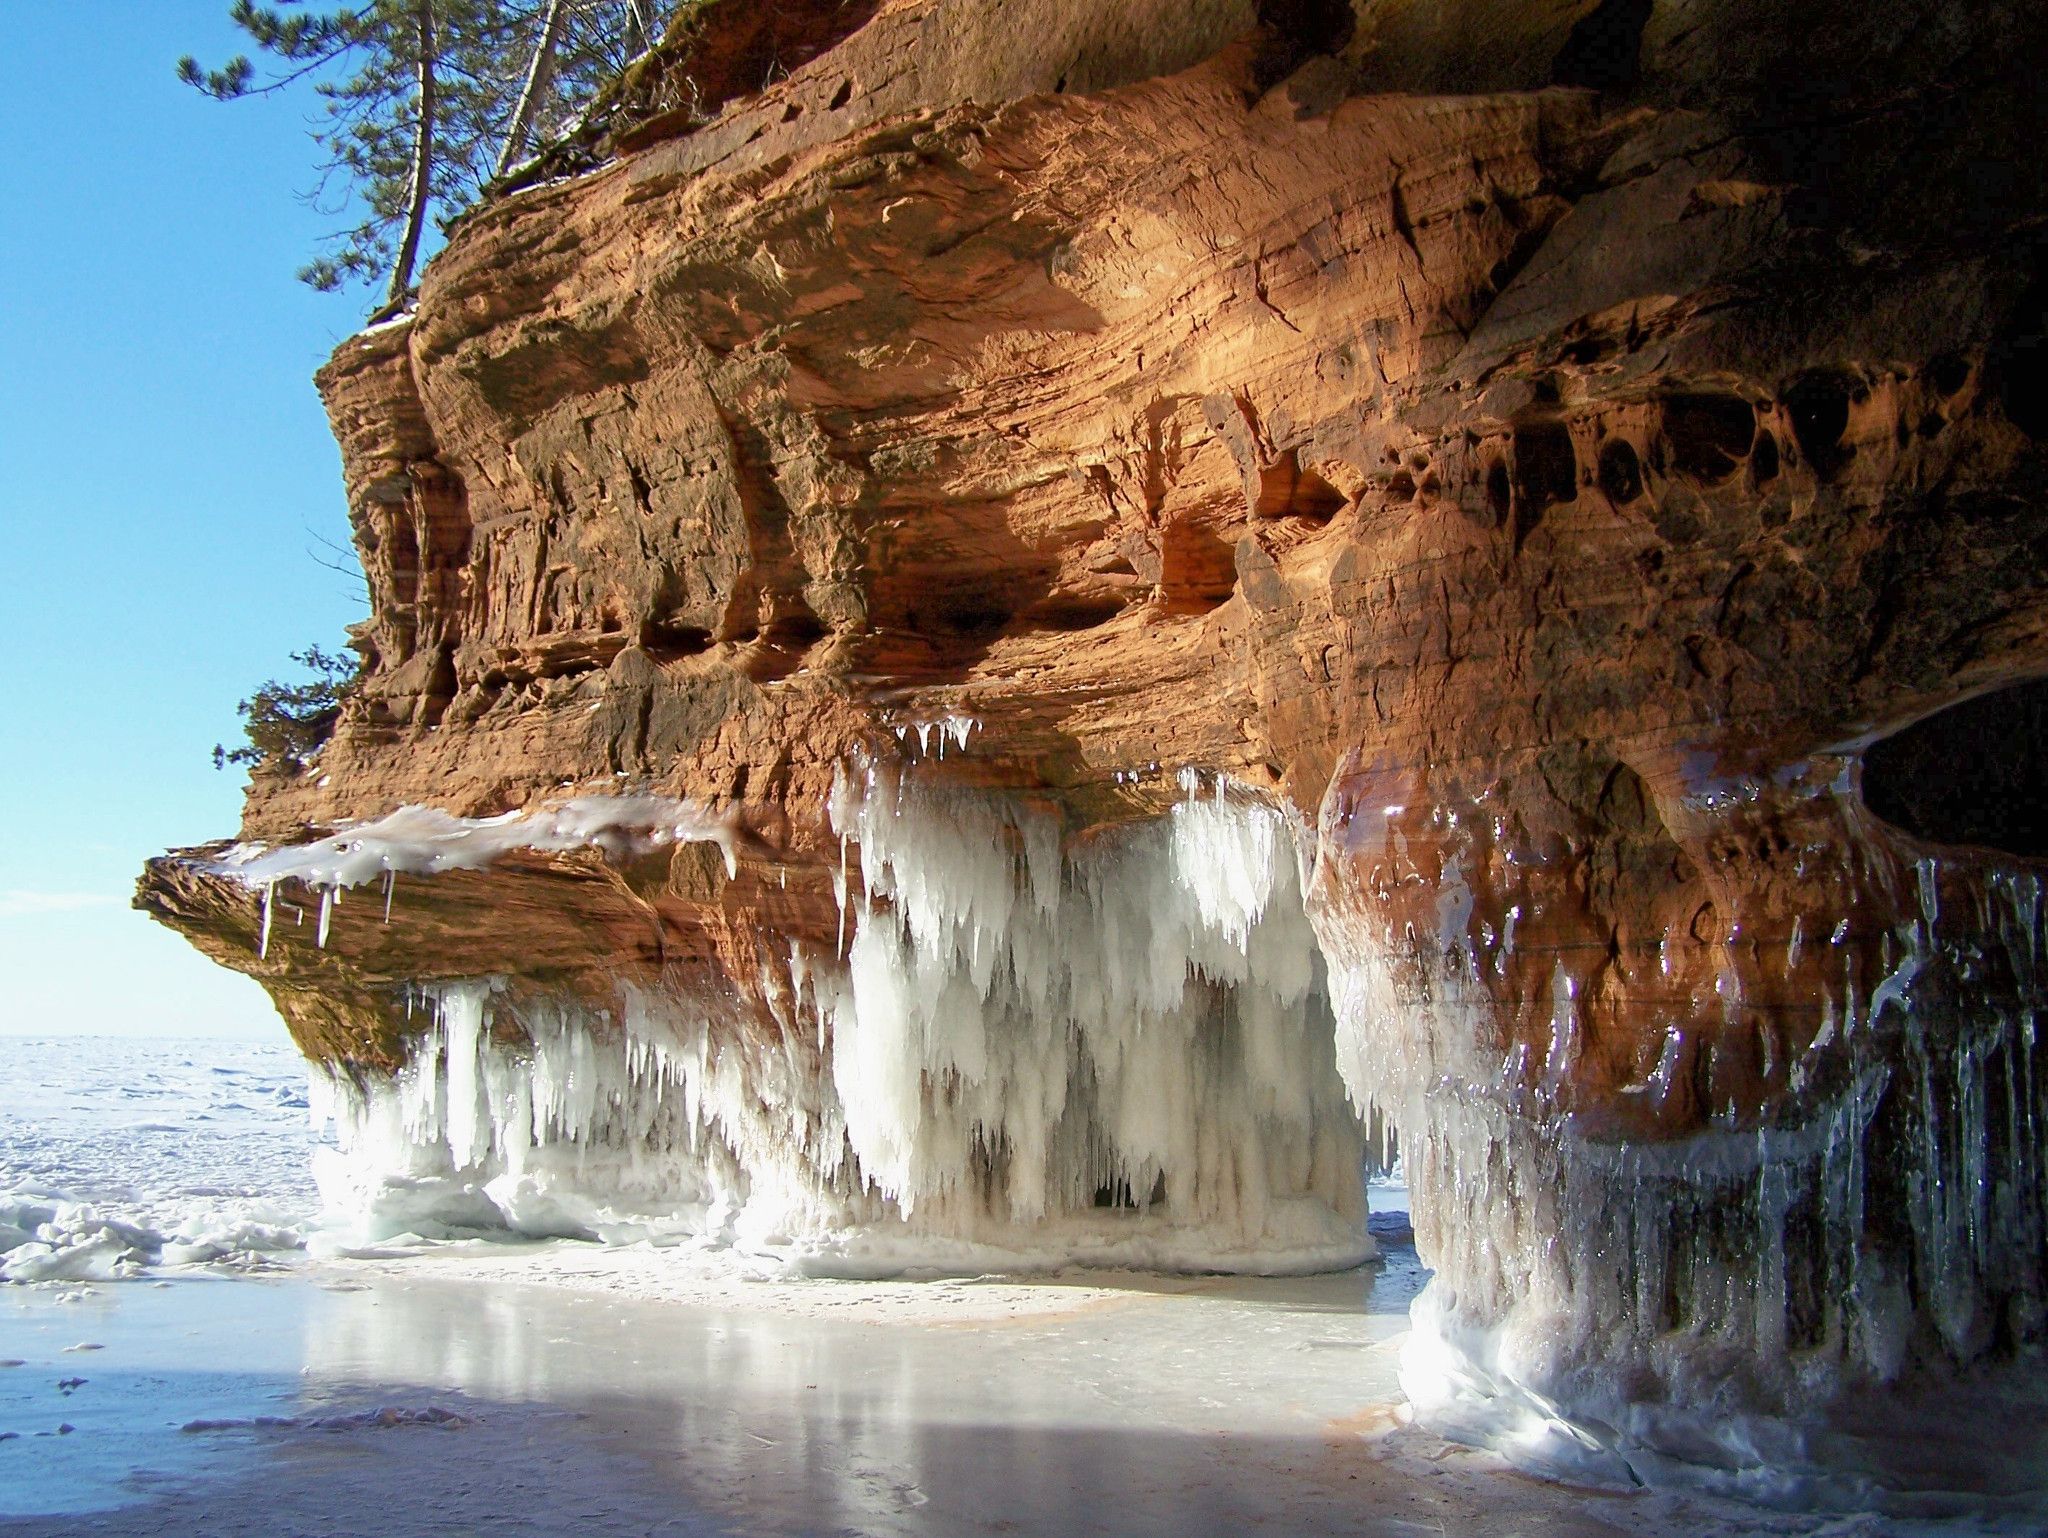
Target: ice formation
(1025, 1057)
(544, 1118)
(424, 841)
(1173, 1045)
(1624, 1309)
(1018, 1035)
(50, 1236)
(930, 734)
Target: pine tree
(288, 723)
(425, 101)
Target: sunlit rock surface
(1229, 579)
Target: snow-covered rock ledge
(425, 841)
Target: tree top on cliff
(422, 104)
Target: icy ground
(1126, 1405)
(564, 1387)
(117, 1155)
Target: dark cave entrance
(1975, 773)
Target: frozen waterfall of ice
(1624, 1312)
(1026, 1057)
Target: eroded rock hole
(841, 96)
(1947, 373)
(1620, 472)
(1976, 773)
(1604, 50)
(796, 632)
(1500, 493)
(1288, 489)
(1763, 459)
(1075, 611)
(975, 616)
(1818, 404)
(1314, 26)
(405, 561)
(1710, 435)
(1546, 465)
(1197, 570)
(2018, 364)
(1587, 350)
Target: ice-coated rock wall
(1604, 1300)
(1024, 1057)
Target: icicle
(326, 914)
(462, 1019)
(263, 940)
(390, 882)
(1006, 1033)
(843, 893)
(1563, 1053)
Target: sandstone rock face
(1458, 507)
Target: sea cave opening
(1974, 773)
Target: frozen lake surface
(164, 1122)
(563, 1387)
(116, 1154)
(1128, 1405)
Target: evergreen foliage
(287, 724)
(424, 102)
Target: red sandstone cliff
(1540, 448)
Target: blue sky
(163, 458)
